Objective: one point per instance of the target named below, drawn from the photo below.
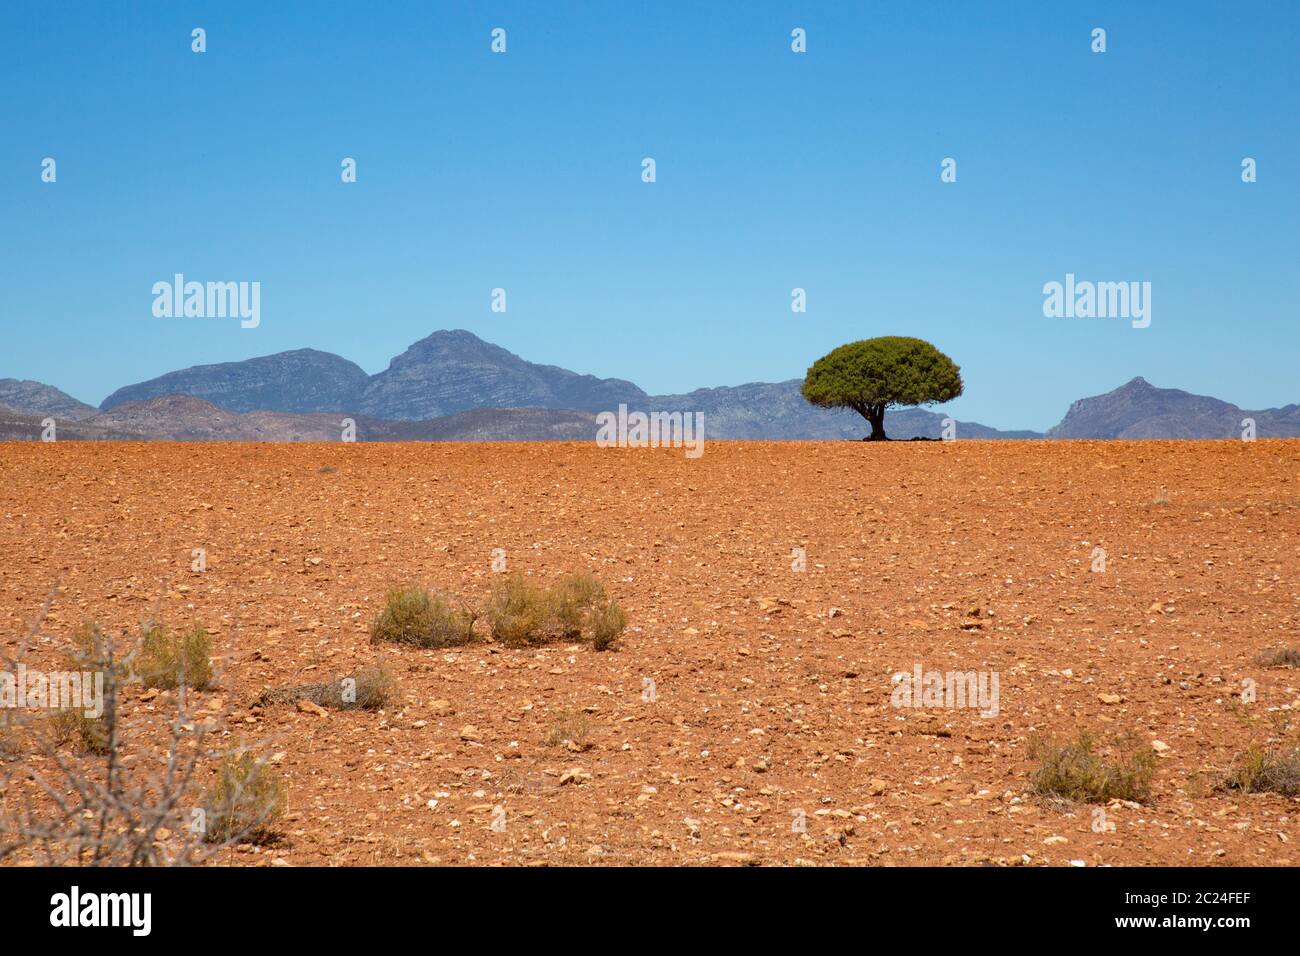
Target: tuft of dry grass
(1075, 770)
(607, 623)
(571, 597)
(1261, 770)
(573, 733)
(411, 615)
(517, 612)
(370, 688)
(12, 739)
(87, 734)
(244, 802)
(1271, 768)
(167, 658)
(520, 613)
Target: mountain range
(452, 385)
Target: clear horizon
(775, 170)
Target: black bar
(346, 907)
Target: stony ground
(746, 695)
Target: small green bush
(245, 801)
(167, 658)
(411, 615)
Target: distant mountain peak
(1138, 409)
(454, 335)
(37, 398)
(453, 370)
(452, 344)
(301, 380)
(452, 338)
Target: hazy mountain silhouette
(304, 380)
(1137, 409)
(452, 385)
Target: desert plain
(771, 589)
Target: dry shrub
(12, 742)
(521, 613)
(572, 733)
(411, 615)
(87, 734)
(370, 688)
(1266, 769)
(244, 802)
(1269, 767)
(91, 651)
(572, 597)
(1075, 770)
(517, 612)
(607, 623)
(167, 659)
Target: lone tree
(871, 375)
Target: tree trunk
(876, 415)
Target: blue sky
(774, 171)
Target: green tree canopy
(874, 374)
